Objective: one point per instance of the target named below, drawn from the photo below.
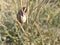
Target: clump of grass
(43, 23)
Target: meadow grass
(43, 23)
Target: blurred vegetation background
(43, 23)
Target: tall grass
(43, 23)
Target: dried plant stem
(36, 12)
(27, 16)
(20, 3)
(22, 28)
